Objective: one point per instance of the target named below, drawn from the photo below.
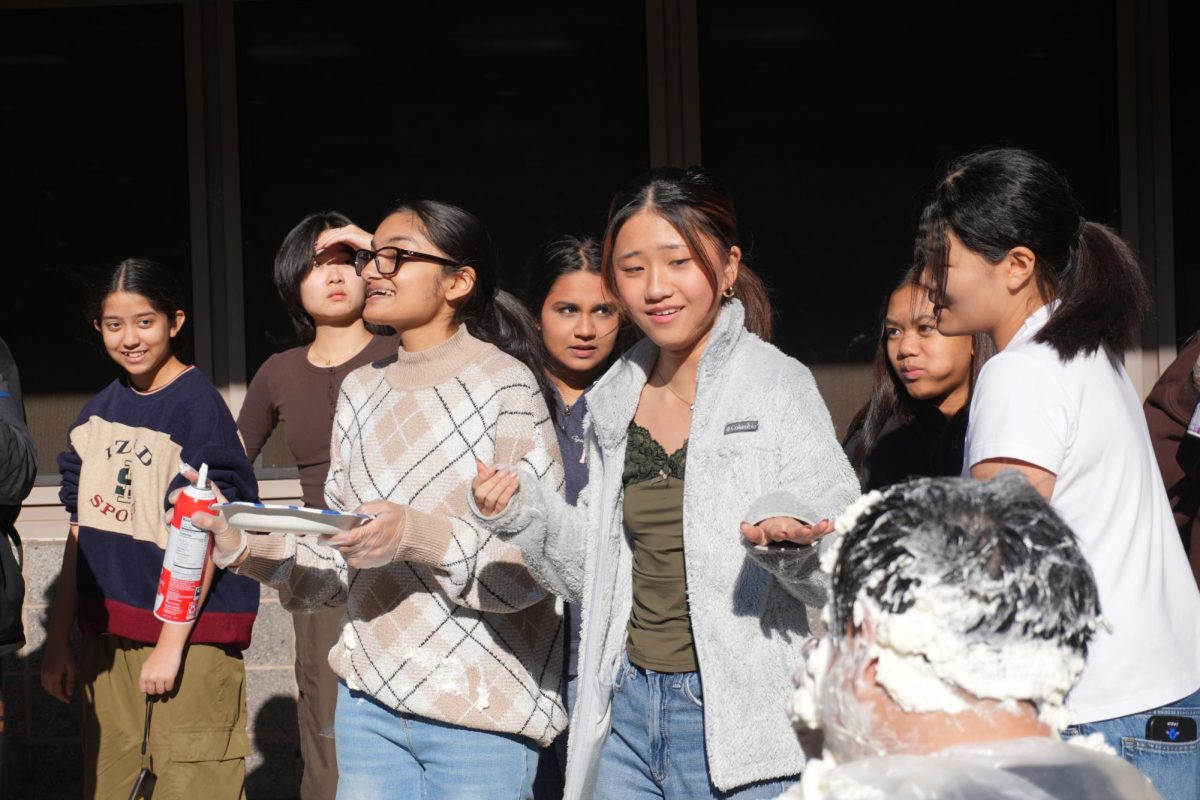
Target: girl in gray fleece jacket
(713, 471)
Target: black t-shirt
(929, 445)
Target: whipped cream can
(186, 559)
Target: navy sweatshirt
(122, 462)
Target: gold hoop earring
(728, 293)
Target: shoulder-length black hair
(294, 261)
(490, 313)
(146, 278)
(889, 398)
(702, 211)
(999, 199)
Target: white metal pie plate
(261, 517)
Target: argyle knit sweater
(454, 629)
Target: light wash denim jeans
(385, 755)
(656, 745)
(1173, 767)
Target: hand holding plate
(374, 543)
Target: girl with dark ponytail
(488, 312)
(1009, 203)
(1011, 255)
(451, 654)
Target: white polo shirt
(1082, 421)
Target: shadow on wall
(273, 765)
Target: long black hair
(293, 262)
(490, 313)
(700, 209)
(146, 278)
(999, 199)
(889, 398)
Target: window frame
(674, 130)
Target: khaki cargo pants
(198, 742)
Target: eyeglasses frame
(364, 257)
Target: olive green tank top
(660, 627)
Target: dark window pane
(1185, 166)
(829, 125)
(92, 125)
(528, 114)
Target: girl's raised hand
(351, 235)
(493, 488)
(785, 529)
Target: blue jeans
(386, 755)
(656, 745)
(1173, 767)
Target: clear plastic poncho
(1020, 769)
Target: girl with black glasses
(449, 659)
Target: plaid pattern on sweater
(454, 629)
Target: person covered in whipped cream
(959, 618)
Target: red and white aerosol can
(186, 559)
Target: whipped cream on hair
(957, 590)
